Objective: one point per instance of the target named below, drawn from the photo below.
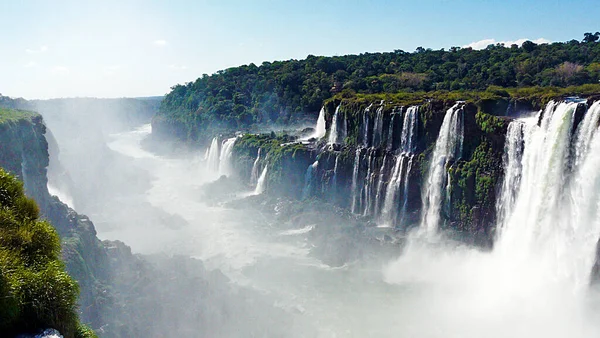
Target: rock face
(24, 153)
(375, 161)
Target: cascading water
(554, 219)
(513, 153)
(381, 186)
(254, 173)
(212, 162)
(338, 131)
(448, 148)
(365, 126)
(308, 180)
(367, 192)
(402, 168)
(335, 171)
(584, 132)
(378, 128)
(225, 157)
(320, 128)
(261, 186)
(354, 187)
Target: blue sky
(142, 48)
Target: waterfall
(254, 173)
(212, 162)
(390, 134)
(585, 130)
(225, 157)
(335, 172)
(365, 126)
(404, 202)
(511, 161)
(409, 130)
(261, 185)
(380, 186)
(354, 187)
(320, 128)
(308, 180)
(378, 128)
(554, 218)
(367, 192)
(402, 168)
(448, 148)
(338, 131)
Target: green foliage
(488, 123)
(475, 181)
(14, 115)
(35, 290)
(278, 92)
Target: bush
(35, 291)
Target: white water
(225, 157)
(401, 170)
(254, 174)
(354, 186)
(212, 162)
(338, 131)
(309, 180)
(448, 148)
(535, 281)
(365, 126)
(320, 127)
(378, 128)
(261, 186)
(432, 290)
(513, 153)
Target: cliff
(43, 295)
(24, 152)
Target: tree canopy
(283, 91)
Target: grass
(15, 115)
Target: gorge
(245, 204)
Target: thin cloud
(30, 64)
(59, 70)
(40, 50)
(177, 67)
(482, 44)
(111, 70)
(160, 43)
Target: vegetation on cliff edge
(284, 91)
(35, 290)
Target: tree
(590, 38)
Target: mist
(228, 261)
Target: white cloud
(30, 64)
(482, 44)
(160, 43)
(60, 70)
(177, 67)
(42, 49)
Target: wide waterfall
(401, 170)
(553, 217)
(448, 148)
